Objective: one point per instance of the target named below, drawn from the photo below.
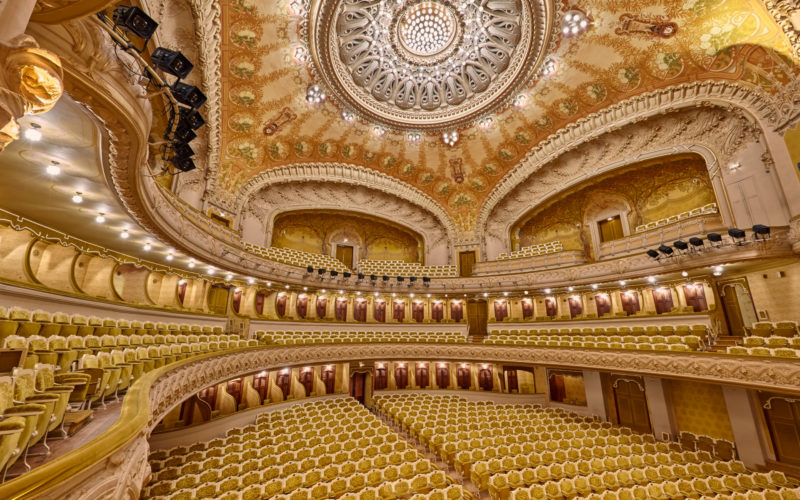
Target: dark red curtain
(237, 300)
(341, 309)
(302, 306)
(322, 307)
(630, 302)
(695, 296)
(181, 290)
(603, 303)
(280, 305)
(379, 310)
(399, 310)
(418, 311)
(500, 309)
(575, 306)
(550, 307)
(527, 308)
(260, 296)
(663, 300)
(437, 311)
(456, 310)
(360, 310)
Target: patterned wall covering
(653, 189)
(265, 77)
(311, 231)
(700, 409)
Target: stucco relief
(279, 198)
(719, 132)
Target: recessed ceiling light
(684, 274)
(170, 256)
(341, 292)
(124, 234)
(485, 294)
(428, 295)
(251, 280)
(77, 198)
(211, 270)
(547, 290)
(525, 292)
(323, 291)
(305, 288)
(286, 287)
(269, 283)
(53, 168)
(571, 288)
(228, 277)
(376, 294)
(358, 293)
(505, 294)
(33, 133)
(411, 295)
(651, 279)
(622, 283)
(348, 116)
(191, 263)
(101, 218)
(147, 246)
(594, 287)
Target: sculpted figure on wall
(30, 83)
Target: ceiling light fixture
(53, 168)
(575, 23)
(33, 133)
(170, 256)
(571, 288)
(124, 234)
(191, 263)
(486, 123)
(147, 246)
(651, 279)
(413, 137)
(228, 277)
(250, 281)
(348, 116)
(315, 94)
(520, 101)
(684, 274)
(77, 198)
(450, 138)
(547, 290)
(622, 283)
(101, 218)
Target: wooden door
(466, 262)
(209, 395)
(610, 229)
(357, 381)
(783, 420)
(511, 375)
(344, 253)
(307, 379)
(631, 405)
(477, 317)
(733, 312)
(485, 381)
(695, 296)
(443, 376)
(234, 388)
(261, 385)
(422, 376)
(401, 376)
(380, 381)
(463, 377)
(284, 381)
(329, 379)
(558, 390)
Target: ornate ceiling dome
(428, 65)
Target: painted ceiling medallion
(428, 65)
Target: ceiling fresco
(630, 48)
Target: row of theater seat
(332, 448)
(710, 208)
(778, 329)
(400, 268)
(19, 321)
(533, 251)
(298, 258)
(334, 337)
(607, 462)
(698, 330)
(641, 342)
(33, 403)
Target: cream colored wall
(778, 296)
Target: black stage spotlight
(191, 118)
(668, 251)
(172, 62)
(310, 269)
(182, 163)
(385, 278)
(737, 234)
(681, 245)
(425, 279)
(334, 273)
(321, 271)
(696, 242)
(400, 279)
(346, 274)
(715, 238)
(183, 133)
(181, 149)
(653, 254)
(134, 20)
(188, 95)
(361, 276)
(373, 277)
(412, 279)
(761, 232)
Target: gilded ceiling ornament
(427, 65)
(652, 26)
(285, 116)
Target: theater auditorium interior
(399, 249)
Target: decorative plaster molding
(787, 16)
(777, 111)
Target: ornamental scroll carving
(30, 83)
(60, 11)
